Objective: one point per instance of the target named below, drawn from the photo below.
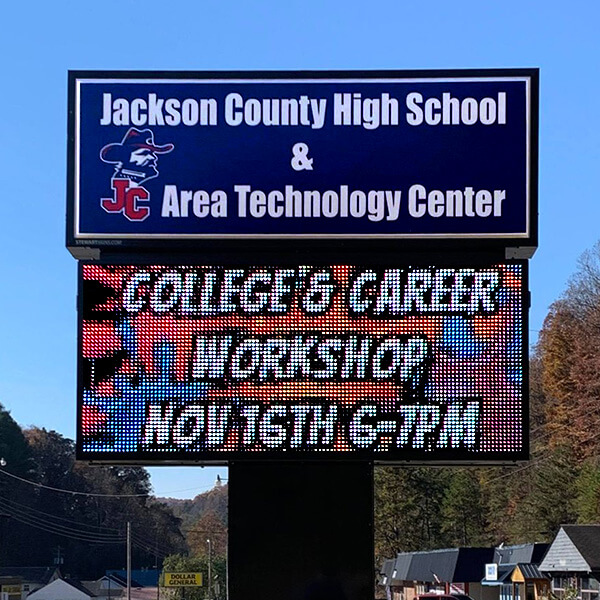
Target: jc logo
(125, 200)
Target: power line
(57, 529)
(72, 492)
(151, 543)
(45, 514)
(91, 494)
(25, 513)
(155, 549)
(29, 516)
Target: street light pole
(128, 560)
(209, 568)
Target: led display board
(213, 363)
(157, 159)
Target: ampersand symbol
(300, 160)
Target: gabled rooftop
(41, 575)
(458, 565)
(521, 553)
(586, 539)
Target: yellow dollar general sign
(183, 579)
(11, 589)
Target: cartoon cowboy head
(135, 157)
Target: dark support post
(301, 530)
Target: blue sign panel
(192, 156)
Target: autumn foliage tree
(208, 527)
(569, 348)
(51, 501)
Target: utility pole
(58, 558)
(209, 541)
(128, 560)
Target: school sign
(159, 159)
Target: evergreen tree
(463, 510)
(586, 503)
(408, 505)
(14, 450)
(16, 465)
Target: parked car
(434, 596)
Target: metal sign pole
(300, 530)
(128, 560)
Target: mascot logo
(134, 160)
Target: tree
(208, 527)
(586, 503)
(16, 466)
(13, 446)
(408, 509)
(199, 564)
(85, 509)
(568, 349)
(550, 503)
(463, 511)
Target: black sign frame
(517, 247)
(458, 457)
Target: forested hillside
(189, 511)
(204, 517)
(421, 508)
(51, 506)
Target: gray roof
(586, 539)
(455, 565)
(386, 571)
(78, 585)
(95, 587)
(530, 571)
(401, 566)
(522, 553)
(436, 565)
(41, 575)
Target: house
(107, 587)
(400, 588)
(16, 583)
(573, 561)
(510, 573)
(516, 575)
(450, 570)
(529, 583)
(62, 589)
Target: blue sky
(41, 41)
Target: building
(16, 583)
(62, 589)
(517, 575)
(109, 587)
(450, 570)
(573, 562)
(503, 573)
